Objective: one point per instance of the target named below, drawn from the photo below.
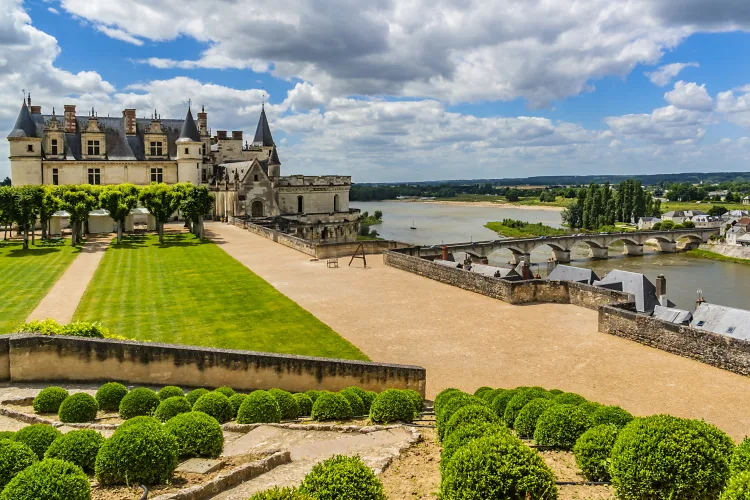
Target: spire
(263, 132)
(273, 158)
(189, 130)
(25, 126)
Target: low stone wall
(34, 357)
(735, 251)
(328, 250)
(282, 238)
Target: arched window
(300, 205)
(336, 203)
(256, 209)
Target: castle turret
(263, 131)
(189, 154)
(274, 165)
(25, 149)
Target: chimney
(444, 252)
(128, 116)
(221, 134)
(36, 110)
(70, 119)
(661, 290)
(237, 135)
(203, 122)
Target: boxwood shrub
(193, 395)
(7, 435)
(49, 400)
(332, 406)
(137, 454)
(452, 406)
(470, 414)
(79, 407)
(555, 392)
(197, 434)
(392, 405)
(465, 433)
(518, 401)
(139, 402)
(481, 390)
(50, 479)
(110, 395)
(593, 449)
(313, 394)
(77, 447)
(497, 466)
(38, 437)
(14, 457)
(362, 395)
(342, 477)
(367, 400)
(139, 421)
(215, 404)
(358, 406)
(500, 401)
(171, 407)
(281, 494)
(570, 398)
(236, 401)
(416, 398)
(443, 396)
(169, 391)
(741, 457)
(590, 407)
(738, 488)
(227, 391)
(560, 426)
(287, 404)
(611, 415)
(665, 457)
(525, 423)
(304, 403)
(489, 396)
(259, 407)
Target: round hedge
(570, 398)
(236, 401)
(287, 404)
(197, 434)
(560, 426)
(489, 396)
(555, 392)
(14, 457)
(465, 433)
(38, 437)
(342, 477)
(79, 407)
(171, 407)
(332, 406)
(169, 391)
(368, 399)
(481, 390)
(193, 395)
(443, 396)
(109, 396)
(49, 400)
(314, 394)
(139, 421)
(741, 457)
(7, 435)
(517, 402)
(259, 407)
(416, 398)
(452, 406)
(215, 404)
(470, 414)
(613, 415)
(304, 403)
(77, 447)
(500, 401)
(139, 402)
(590, 407)
(525, 423)
(738, 488)
(662, 457)
(137, 454)
(50, 479)
(593, 449)
(362, 395)
(392, 405)
(281, 494)
(358, 406)
(497, 466)
(227, 391)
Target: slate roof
(495, 272)
(672, 315)
(274, 159)
(571, 273)
(263, 132)
(736, 230)
(25, 126)
(723, 320)
(635, 284)
(189, 130)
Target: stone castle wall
(289, 241)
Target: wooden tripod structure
(360, 249)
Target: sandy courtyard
(466, 340)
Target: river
(721, 282)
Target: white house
(733, 233)
(646, 223)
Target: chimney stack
(70, 119)
(237, 135)
(128, 116)
(36, 110)
(661, 290)
(221, 134)
(203, 122)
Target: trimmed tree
(198, 203)
(119, 201)
(162, 201)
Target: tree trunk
(161, 232)
(25, 236)
(200, 229)
(44, 230)
(119, 232)
(189, 226)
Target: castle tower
(25, 149)
(263, 131)
(189, 154)
(274, 165)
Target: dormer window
(30, 148)
(54, 147)
(156, 149)
(187, 151)
(93, 149)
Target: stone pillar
(631, 249)
(444, 255)
(561, 255)
(521, 257)
(667, 246)
(599, 253)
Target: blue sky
(393, 91)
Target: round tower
(189, 152)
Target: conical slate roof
(25, 126)
(189, 130)
(274, 159)
(263, 132)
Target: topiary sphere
(560, 426)
(741, 457)
(452, 406)
(227, 391)
(416, 398)
(138, 403)
(259, 407)
(478, 393)
(392, 405)
(304, 403)
(50, 479)
(236, 401)
(109, 396)
(171, 407)
(468, 432)
(497, 466)
(287, 404)
(443, 396)
(470, 414)
(169, 391)
(342, 477)
(525, 423)
(665, 457)
(570, 398)
(49, 400)
(14, 457)
(593, 449)
(281, 494)
(518, 401)
(555, 392)
(489, 396)
(313, 394)
(738, 488)
(500, 402)
(139, 421)
(79, 407)
(358, 406)
(214, 404)
(590, 407)
(7, 435)
(137, 454)
(193, 395)
(332, 406)
(77, 447)
(38, 437)
(359, 392)
(197, 434)
(367, 400)
(613, 415)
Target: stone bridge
(598, 243)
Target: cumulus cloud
(690, 96)
(663, 75)
(119, 34)
(667, 125)
(736, 108)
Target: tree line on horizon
(600, 205)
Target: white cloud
(736, 108)
(663, 75)
(119, 34)
(690, 96)
(667, 125)
(53, 10)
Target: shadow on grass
(171, 239)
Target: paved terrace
(466, 340)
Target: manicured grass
(27, 276)
(707, 254)
(520, 229)
(188, 292)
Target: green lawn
(27, 276)
(707, 254)
(188, 292)
(521, 229)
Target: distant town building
(646, 223)
(744, 240)
(721, 194)
(746, 200)
(733, 233)
(680, 216)
(571, 273)
(708, 221)
(722, 320)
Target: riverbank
(723, 253)
(511, 228)
(486, 204)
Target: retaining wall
(327, 250)
(34, 357)
(282, 238)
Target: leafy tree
(78, 201)
(196, 204)
(5, 182)
(51, 203)
(7, 200)
(378, 214)
(25, 209)
(512, 195)
(162, 201)
(717, 210)
(119, 201)
(688, 224)
(656, 227)
(667, 225)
